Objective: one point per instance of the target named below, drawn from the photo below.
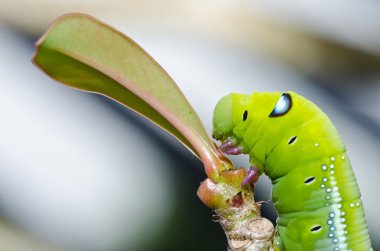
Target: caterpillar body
(296, 145)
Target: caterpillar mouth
(230, 147)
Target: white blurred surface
(349, 22)
(14, 239)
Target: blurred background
(81, 173)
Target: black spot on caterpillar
(315, 229)
(245, 115)
(291, 141)
(309, 180)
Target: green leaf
(86, 54)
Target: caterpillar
(295, 144)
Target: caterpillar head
(231, 115)
(235, 112)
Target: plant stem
(237, 212)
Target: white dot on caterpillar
(324, 179)
(345, 232)
(332, 158)
(332, 228)
(331, 235)
(343, 157)
(342, 219)
(328, 197)
(327, 204)
(316, 144)
(352, 205)
(336, 249)
(335, 240)
(332, 172)
(357, 204)
(324, 167)
(323, 186)
(330, 222)
(343, 213)
(328, 190)
(339, 205)
(332, 215)
(332, 166)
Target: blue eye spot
(282, 106)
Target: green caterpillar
(314, 188)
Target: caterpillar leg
(252, 176)
(278, 245)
